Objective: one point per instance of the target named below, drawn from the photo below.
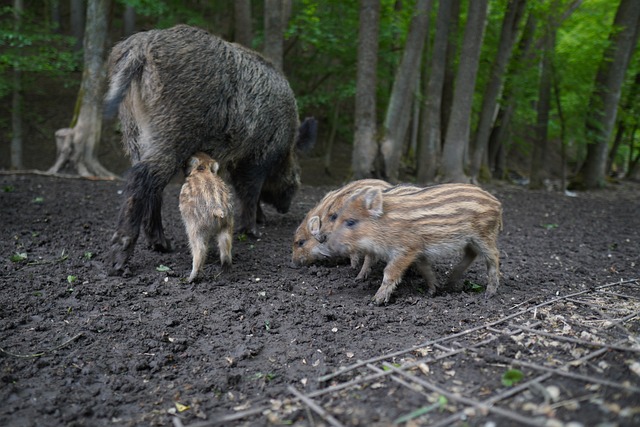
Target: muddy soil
(81, 348)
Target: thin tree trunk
(538, 170)
(17, 98)
(326, 159)
(129, 21)
(430, 139)
(85, 135)
(499, 133)
(274, 31)
(512, 17)
(77, 22)
(365, 146)
(450, 69)
(398, 112)
(606, 94)
(242, 16)
(629, 103)
(458, 128)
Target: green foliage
(511, 377)
(33, 48)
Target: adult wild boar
(183, 90)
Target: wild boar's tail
(307, 134)
(124, 68)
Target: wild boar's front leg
(143, 184)
(393, 273)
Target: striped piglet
(405, 225)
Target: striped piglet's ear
(214, 167)
(373, 202)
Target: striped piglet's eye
(351, 222)
(301, 243)
(333, 217)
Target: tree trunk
(56, 19)
(129, 20)
(242, 17)
(398, 112)
(365, 145)
(77, 22)
(450, 70)
(274, 31)
(85, 135)
(16, 97)
(631, 100)
(511, 20)
(430, 133)
(499, 133)
(538, 170)
(606, 95)
(458, 128)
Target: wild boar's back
(200, 93)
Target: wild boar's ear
(373, 202)
(214, 167)
(313, 225)
(307, 135)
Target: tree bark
(538, 171)
(85, 135)
(129, 20)
(458, 128)
(606, 95)
(430, 131)
(511, 20)
(274, 31)
(365, 146)
(632, 99)
(242, 17)
(398, 112)
(450, 68)
(17, 98)
(77, 22)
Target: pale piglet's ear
(214, 167)
(313, 225)
(192, 163)
(373, 202)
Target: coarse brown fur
(207, 211)
(421, 224)
(182, 90)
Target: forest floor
(267, 344)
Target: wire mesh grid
(573, 358)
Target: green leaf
(17, 257)
(511, 377)
(163, 268)
(88, 255)
(38, 199)
(72, 279)
(549, 226)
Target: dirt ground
(81, 348)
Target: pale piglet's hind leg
(198, 242)
(225, 241)
(393, 273)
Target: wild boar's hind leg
(247, 181)
(424, 267)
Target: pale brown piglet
(421, 225)
(207, 211)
